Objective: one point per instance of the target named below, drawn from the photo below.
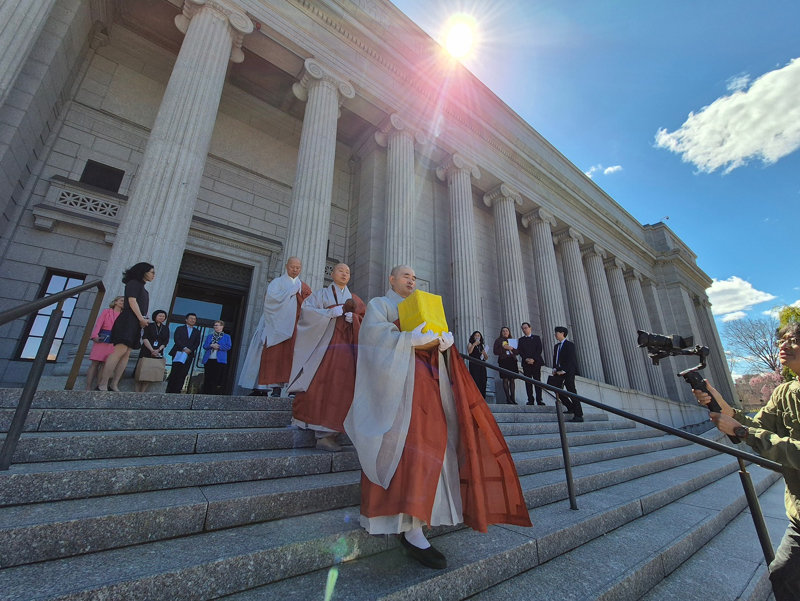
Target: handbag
(150, 369)
(104, 336)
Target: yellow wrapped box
(422, 306)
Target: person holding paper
(505, 348)
(324, 366)
(430, 450)
(187, 339)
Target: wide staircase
(176, 497)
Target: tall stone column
(583, 328)
(627, 325)
(656, 311)
(20, 26)
(159, 211)
(548, 289)
(398, 139)
(310, 213)
(607, 330)
(717, 361)
(633, 282)
(513, 294)
(457, 172)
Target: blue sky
(612, 86)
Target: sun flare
(459, 38)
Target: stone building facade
(213, 138)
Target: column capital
(315, 73)
(501, 192)
(456, 162)
(568, 234)
(613, 263)
(394, 124)
(238, 21)
(538, 214)
(593, 249)
(633, 274)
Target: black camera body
(660, 347)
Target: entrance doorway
(213, 290)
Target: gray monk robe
(324, 365)
(430, 450)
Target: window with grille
(54, 281)
(102, 176)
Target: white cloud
(770, 313)
(737, 82)
(592, 170)
(796, 304)
(761, 121)
(734, 316)
(599, 168)
(734, 294)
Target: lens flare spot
(460, 33)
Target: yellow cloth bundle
(422, 306)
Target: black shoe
(530, 403)
(577, 418)
(258, 392)
(540, 403)
(430, 557)
(276, 392)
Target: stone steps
(517, 557)
(631, 560)
(104, 522)
(184, 497)
(220, 562)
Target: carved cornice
(236, 18)
(456, 162)
(502, 192)
(538, 214)
(315, 73)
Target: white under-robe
(379, 417)
(275, 325)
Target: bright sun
(460, 35)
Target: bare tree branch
(753, 342)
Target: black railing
(741, 456)
(37, 367)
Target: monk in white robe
(269, 357)
(324, 365)
(429, 447)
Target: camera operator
(774, 433)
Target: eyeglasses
(791, 340)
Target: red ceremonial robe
(328, 398)
(490, 488)
(276, 361)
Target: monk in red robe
(324, 366)
(430, 450)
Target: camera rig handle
(695, 379)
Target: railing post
(562, 431)
(755, 512)
(76, 364)
(26, 398)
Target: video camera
(660, 347)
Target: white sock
(417, 538)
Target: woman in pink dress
(101, 350)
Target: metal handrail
(741, 456)
(37, 368)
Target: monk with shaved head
(324, 365)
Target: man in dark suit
(565, 366)
(530, 351)
(187, 339)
